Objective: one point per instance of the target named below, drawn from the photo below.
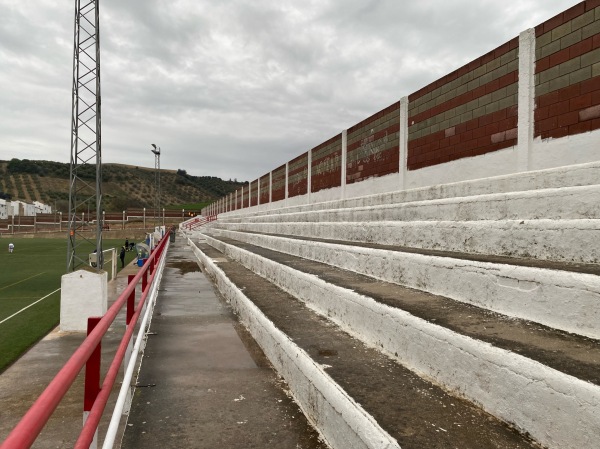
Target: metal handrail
(28, 429)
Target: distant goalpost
(110, 262)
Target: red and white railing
(196, 222)
(88, 354)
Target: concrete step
(559, 295)
(355, 395)
(541, 380)
(567, 203)
(568, 176)
(557, 240)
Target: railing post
(92, 378)
(129, 351)
(144, 280)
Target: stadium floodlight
(156, 151)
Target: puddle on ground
(185, 266)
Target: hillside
(123, 186)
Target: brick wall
(246, 198)
(265, 182)
(278, 183)
(298, 176)
(469, 112)
(326, 171)
(567, 73)
(254, 193)
(373, 145)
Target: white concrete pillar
(403, 144)
(309, 176)
(344, 163)
(83, 294)
(526, 99)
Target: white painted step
(558, 299)
(568, 203)
(558, 410)
(569, 176)
(556, 240)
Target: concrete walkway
(204, 383)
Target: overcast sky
(235, 88)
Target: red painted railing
(88, 354)
(197, 222)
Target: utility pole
(86, 142)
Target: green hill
(123, 186)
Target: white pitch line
(32, 304)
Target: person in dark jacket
(122, 256)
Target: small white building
(3, 209)
(22, 208)
(41, 208)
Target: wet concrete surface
(23, 382)
(204, 382)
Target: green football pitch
(31, 276)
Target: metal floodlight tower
(156, 152)
(85, 185)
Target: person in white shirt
(11, 247)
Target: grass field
(30, 273)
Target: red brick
(486, 120)
(581, 48)
(557, 133)
(590, 85)
(559, 57)
(548, 124)
(539, 30)
(595, 124)
(492, 86)
(596, 41)
(572, 91)
(492, 128)
(514, 43)
(574, 11)
(554, 22)
(479, 132)
(488, 57)
(540, 114)
(580, 127)
(596, 97)
(464, 137)
(591, 4)
(547, 99)
(542, 64)
(454, 140)
(569, 118)
(502, 50)
(581, 102)
(558, 108)
(512, 111)
(499, 115)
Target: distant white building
(22, 208)
(41, 208)
(3, 210)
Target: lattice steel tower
(85, 187)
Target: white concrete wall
(83, 295)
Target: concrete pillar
(526, 99)
(344, 163)
(309, 176)
(84, 294)
(403, 144)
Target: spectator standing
(122, 256)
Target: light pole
(156, 151)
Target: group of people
(127, 247)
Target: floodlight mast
(86, 142)
(156, 151)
